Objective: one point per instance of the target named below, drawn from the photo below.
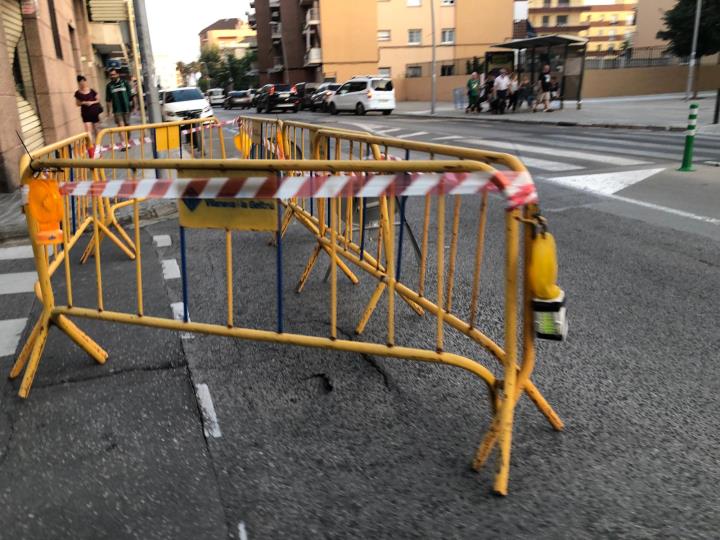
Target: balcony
(312, 18)
(276, 30)
(278, 65)
(313, 57)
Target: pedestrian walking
(88, 100)
(119, 95)
(546, 85)
(490, 93)
(526, 93)
(473, 93)
(501, 86)
(514, 92)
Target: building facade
(609, 25)
(47, 44)
(650, 22)
(314, 40)
(230, 36)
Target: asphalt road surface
(201, 437)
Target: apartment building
(314, 40)
(232, 36)
(463, 29)
(47, 43)
(649, 22)
(608, 24)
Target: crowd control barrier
(321, 180)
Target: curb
(564, 123)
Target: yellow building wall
(215, 37)
(348, 32)
(649, 22)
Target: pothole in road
(320, 383)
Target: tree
(679, 24)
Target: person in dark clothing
(119, 95)
(490, 92)
(545, 89)
(88, 100)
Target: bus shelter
(563, 53)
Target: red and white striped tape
(99, 150)
(517, 187)
(208, 126)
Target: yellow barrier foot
(25, 352)
(37, 349)
(81, 339)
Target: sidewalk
(665, 111)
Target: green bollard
(690, 139)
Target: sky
(174, 24)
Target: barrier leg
(372, 304)
(104, 230)
(22, 358)
(308, 268)
(80, 338)
(37, 349)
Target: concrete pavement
(665, 112)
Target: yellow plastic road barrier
(322, 180)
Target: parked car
(277, 96)
(320, 99)
(239, 98)
(363, 94)
(216, 96)
(305, 90)
(184, 103)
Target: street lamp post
(693, 51)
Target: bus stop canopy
(552, 40)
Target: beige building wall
(480, 23)
(219, 38)
(348, 38)
(649, 22)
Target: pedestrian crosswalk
(556, 150)
(17, 286)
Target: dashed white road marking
(10, 332)
(447, 138)
(605, 183)
(547, 165)
(16, 252)
(242, 531)
(412, 135)
(556, 152)
(211, 427)
(162, 240)
(178, 311)
(170, 269)
(386, 131)
(18, 282)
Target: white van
(216, 96)
(363, 94)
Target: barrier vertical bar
(403, 201)
(96, 243)
(278, 271)
(390, 256)
(183, 269)
(229, 270)
(479, 249)
(333, 267)
(363, 206)
(138, 258)
(440, 270)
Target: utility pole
(433, 83)
(136, 60)
(693, 52)
(153, 103)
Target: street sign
(235, 214)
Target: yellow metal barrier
(294, 164)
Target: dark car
(238, 98)
(305, 90)
(277, 96)
(321, 98)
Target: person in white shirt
(514, 92)
(502, 84)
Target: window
(563, 3)
(413, 3)
(357, 86)
(385, 71)
(447, 2)
(413, 71)
(344, 89)
(447, 35)
(613, 19)
(382, 85)
(562, 20)
(447, 70)
(611, 48)
(383, 35)
(546, 3)
(414, 36)
(546, 20)
(611, 34)
(55, 31)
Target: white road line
(178, 311)
(162, 240)
(411, 135)
(19, 282)
(386, 131)
(16, 252)
(10, 332)
(604, 183)
(242, 531)
(170, 269)
(546, 165)
(654, 151)
(211, 427)
(447, 138)
(556, 152)
(682, 213)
